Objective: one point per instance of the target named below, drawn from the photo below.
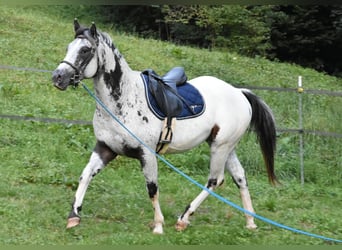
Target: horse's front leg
(101, 155)
(150, 170)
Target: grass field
(41, 162)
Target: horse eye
(85, 50)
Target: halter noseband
(78, 71)
(77, 74)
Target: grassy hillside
(41, 162)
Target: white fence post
(301, 131)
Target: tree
(182, 22)
(308, 35)
(239, 28)
(138, 19)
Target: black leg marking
(136, 153)
(73, 214)
(239, 181)
(152, 189)
(236, 183)
(105, 153)
(186, 210)
(97, 171)
(212, 183)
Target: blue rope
(200, 185)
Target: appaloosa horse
(227, 112)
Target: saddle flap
(164, 90)
(167, 100)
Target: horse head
(80, 61)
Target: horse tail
(264, 125)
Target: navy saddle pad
(193, 103)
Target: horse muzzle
(62, 79)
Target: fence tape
(278, 89)
(81, 122)
(308, 91)
(84, 122)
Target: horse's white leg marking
(183, 221)
(216, 178)
(150, 170)
(158, 216)
(94, 165)
(247, 204)
(234, 167)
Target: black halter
(78, 71)
(77, 74)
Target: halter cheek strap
(78, 71)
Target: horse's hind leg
(101, 155)
(234, 167)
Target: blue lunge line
(200, 185)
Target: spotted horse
(227, 115)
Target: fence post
(301, 131)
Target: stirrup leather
(166, 135)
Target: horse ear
(76, 25)
(93, 30)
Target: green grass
(41, 162)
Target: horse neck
(115, 79)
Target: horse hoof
(251, 226)
(181, 225)
(158, 229)
(73, 222)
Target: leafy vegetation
(41, 162)
(309, 35)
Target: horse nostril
(56, 77)
(59, 78)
